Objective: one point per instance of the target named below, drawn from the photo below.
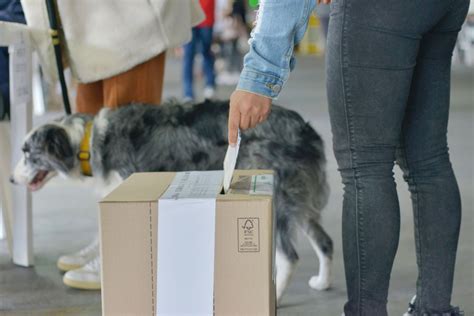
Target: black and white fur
(175, 137)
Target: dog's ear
(59, 148)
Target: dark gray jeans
(388, 80)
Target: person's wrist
(253, 92)
(260, 83)
(247, 109)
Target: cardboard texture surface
(243, 267)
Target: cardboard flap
(141, 187)
(150, 186)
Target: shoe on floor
(411, 307)
(85, 278)
(78, 259)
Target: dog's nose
(12, 180)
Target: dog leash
(53, 23)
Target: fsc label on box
(249, 234)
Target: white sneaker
(80, 258)
(85, 278)
(209, 92)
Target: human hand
(324, 1)
(246, 111)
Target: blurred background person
(323, 10)
(232, 34)
(201, 40)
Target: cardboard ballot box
(172, 244)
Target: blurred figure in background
(233, 34)
(201, 38)
(322, 10)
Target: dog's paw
(319, 283)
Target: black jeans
(388, 71)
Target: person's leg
(424, 158)
(89, 97)
(142, 83)
(369, 68)
(208, 56)
(189, 50)
(90, 100)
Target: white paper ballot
(229, 163)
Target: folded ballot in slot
(172, 244)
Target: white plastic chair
(16, 200)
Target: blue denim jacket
(281, 24)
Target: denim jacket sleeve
(281, 24)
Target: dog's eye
(25, 149)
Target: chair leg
(5, 190)
(21, 122)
